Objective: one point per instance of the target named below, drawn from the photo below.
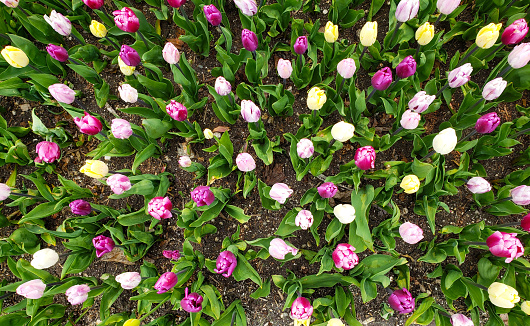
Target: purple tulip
(494, 88)
(57, 52)
(80, 207)
(515, 33)
(77, 294)
(213, 15)
(245, 162)
(47, 151)
(305, 148)
(525, 223)
(344, 256)
(119, 183)
(129, 56)
(365, 158)
(407, 9)
(176, 3)
(382, 79)
(421, 101)
(226, 263)
(33, 289)
(507, 245)
(191, 302)
(88, 124)
(249, 39)
(62, 93)
(202, 196)
(121, 129)
(126, 20)
(103, 245)
(177, 110)
(478, 185)
(301, 309)
(521, 195)
(160, 208)
(94, 4)
(327, 190)
(401, 301)
(166, 282)
(460, 76)
(410, 120)
(487, 123)
(519, 56)
(171, 254)
(406, 68)
(300, 45)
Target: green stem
(155, 308)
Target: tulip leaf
(425, 305)
(237, 213)
(362, 201)
(263, 291)
(245, 271)
(148, 152)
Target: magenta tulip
(515, 33)
(171, 254)
(202, 196)
(365, 158)
(80, 207)
(88, 124)
(57, 52)
(47, 152)
(327, 190)
(301, 309)
(226, 263)
(406, 68)
(177, 110)
(191, 302)
(249, 39)
(344, 256)
(166, 282)
(382, 79)
(213, 15)
(300, 45)
(160, 208)
(103, 245)
(126, 20)
(507, 245)
(94, 4)
(401, 301)
(487, 123)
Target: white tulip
(345, 213)
(445, 141)
(44, 258)
(342, 131)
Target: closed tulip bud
(77, 294)
(342, 131)
(382, 79)
(250, 111)
(33, 289)
(222, 86)
(331, 32)
(177, 110)
(518, 57)
(249, 40)
(191, 302)
(208, 134)
(445, 141)
(226, 263)
(80, 207)
(488, 35)
(202, 196)
(166, 282)
(185, 161)
(525, 307)
(346, 68)
(421, 101)
(129, 280)
(446, 7)
(57, 52)
(5, 191)
(344, 256)
(515, 33)
(95, 169)
(507, 245)
(525, 223)
(411, 233)
(425, 34)
(280, 192)
(460, 76)
(410, 184)
(410, 120)
(15, 56)
(327, 190)
(478, 185)
(407, 9)
(301, 309)
(401, 301)
(521, 195)
(119, 183)
(171, 254)
(132, 322)
(98, 29)
(59, 23)
(316, 98)
(345, 213)
(126, 20)
(304, 219)
(88, 124)
(128, 93)
(62, 93)
(247, 7)
(47, 152)
(487, 123)
(305, 148)
(170, 53)
(103, 244)
(335, 322)
(160, 208)
(461, 320)
(368, 34)
(300, 45)
(94, 4)
(125, 69)
(494, 88)
(406, 68)
(503, 295)
(278, 249)
(213, 15)
(10, 3)
(44, 258)
(245, 162)
(121, 129)
(176, 3)
(129, 56)
(284, 68)
(365, 157)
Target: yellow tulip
(525, 307)
(95, 169)
(132, 322)
(369, 34)
(335, 321)
(488, 35)
(15, 56)
(208, 134)
(125, 69)
(98, 29)
(503, 295)
(410, 184)
(302, 322)
(425, 33)
(331, 32)
(316, 98)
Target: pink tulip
(407, 9)
(128, 93)
(171, 54)
(176, 3)
(507, 245)
(460, 76)
(171, 254)
(59, 23)
(278, 249)
(250, 111)
(521, 195)
(129, 280)
(280, 192)
(494, 88)
(421, 101)
(301, 309)
(160, 208)
(519, 56)
(166, 282)
(177, 110)
(245, 162)
(411, 233)
(365, 158)
(62, 93)
(77, 294)
(304, 219)
(126, 20)
(305, 148)
(284, 68)
(185, 161)
(346, 68)
(461, 320)
(5, 191)
(478, 185)
(446, 7)
(119, 183)
(202, 196)
(222, 86)
(121, 128)
(88, 124)
(47, 152)
(33, 289)
(410, 120)
(344, 256)
(247, 7)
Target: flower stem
(469, 53)
(144, 40)
(74, 61)
(474, 243)
(189, 124)
(442, 89)
(476, 103)
(520, 133)
(77, 39)
(233, 318)
(494, 51)
(178, 66)
(504, 71)
(35, 68)
(143, 103)
(507, 7)
(300, 61)
(468, 135)
(339, 90)
(507, 224)
(7, 295)
(475, 284)
(231, 99)
(25, 195)
(102, 134)
(397, 131)
(438, 20)
(114, 45)
(105, 13)
(398, 25)
(417, 52)
(428, 155)
(76, 101)
(362, 54)
(184, 14)
(370, 95)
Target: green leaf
(143, 155)
(237, 213)
(245, 271)
(263, 291)
(426, 304)
(362, 201)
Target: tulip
(407, 9)
(160, 208)
(247, 7)
(278, 249)
(518, 57)
(280, 192)
(129, 56)
(525, 223)
(344, 256)
(478, 185)
(170, 53)
(494, 88)
(503, 295)
(407, 67)
(128, 93)
(331, 32)
(342, 131)
(521, 195)
(121, 129)
(208, 134)
(365, 157)
(245, 162)
(132, 322)
(80, 207)
(15, 56)
(191, 302)
(345, 213)
(98, 29)
(202, 196)
(171, 254)
(166, 282)
(222, 86)
(300, 45)
(410, 120)
(249, 40)
(425, 34)
(421, 101)
(327, 190)
(5, 191)
(185, 161)
(284, 68)
(250, 111)
(33, 289)
(461, 320)
(460, 76)
(410, 184)
(126, 20)
(301, 309)
(515, 33)
(335, 322)
(59, 23)
(488, 35)
(176, 3)
(446, 7)
(62, 93)
(213, 15)
(525, 307)
(10, 3)
(507, 245)
(316, 98)
(129, 280)
(368, 34)
(304, 219)
(57, 52)
(382, 79)
(47, 151)
(119, 183)
(95, 169)
(44, 258)
(487, 123)
(411, 233)
(177, 110)
(346, 68)
(103, 245)
(94, 4)
(401, 301)
(125, 69)
(445, 141)
(305, 148)
(226, 263)
(77, 294)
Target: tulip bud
(342, 131)
(460, 76)
(410, 120)
(222, 86)
(461, 320)
(126, 20)
(503, 295)
(185, 161)
(166, 282)
(177, 110)
(191, 302)
(250, 111)
(345, 213)
(445, 141)
(170, 53)
(247, 7)
(515, 33)
(95, 169)
(33, 289)
(208, 134)
(304, 219)
(10, 3)
(284, 68)
(128, 93)
(226, 263)
(121, 129)
(488, 35)
(103, 245)
(125, 69)
(525, 223)
(57, 52)
(305, 148)
(171, 254)
(425, 34)
(132, 322)
(346, 68)
(411, 233)
(316, 98)
(88, 124)
(249, 40)
(119, 183)
(421, 101)
(245, 162)
(202, 196)
(518, 57)
(407, 67)
(300, 45)
(47, 152)
(335, 322)
(410, 184)
(5, 191)
(160, 208)
(80, 207)
(407, 9)
(401, 301)
(507, 245)
(331, 32)
(44, 258)
(478, 185)
(280, 192)
(382, 79)
(59, 23)
(15, 56)
(494, 88)
(94, 4)
(77, 294)
(98, 29)
(129, 56)
(129, 280)
(327, 190)
(521, 195)
(487, 123)
(176, 3)
(368, 34)
(213, 15)
(525, 307)
(301, 309)
(446, 7)
(62, 93)
(365, 157)
(278, 249)
(344, 256)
